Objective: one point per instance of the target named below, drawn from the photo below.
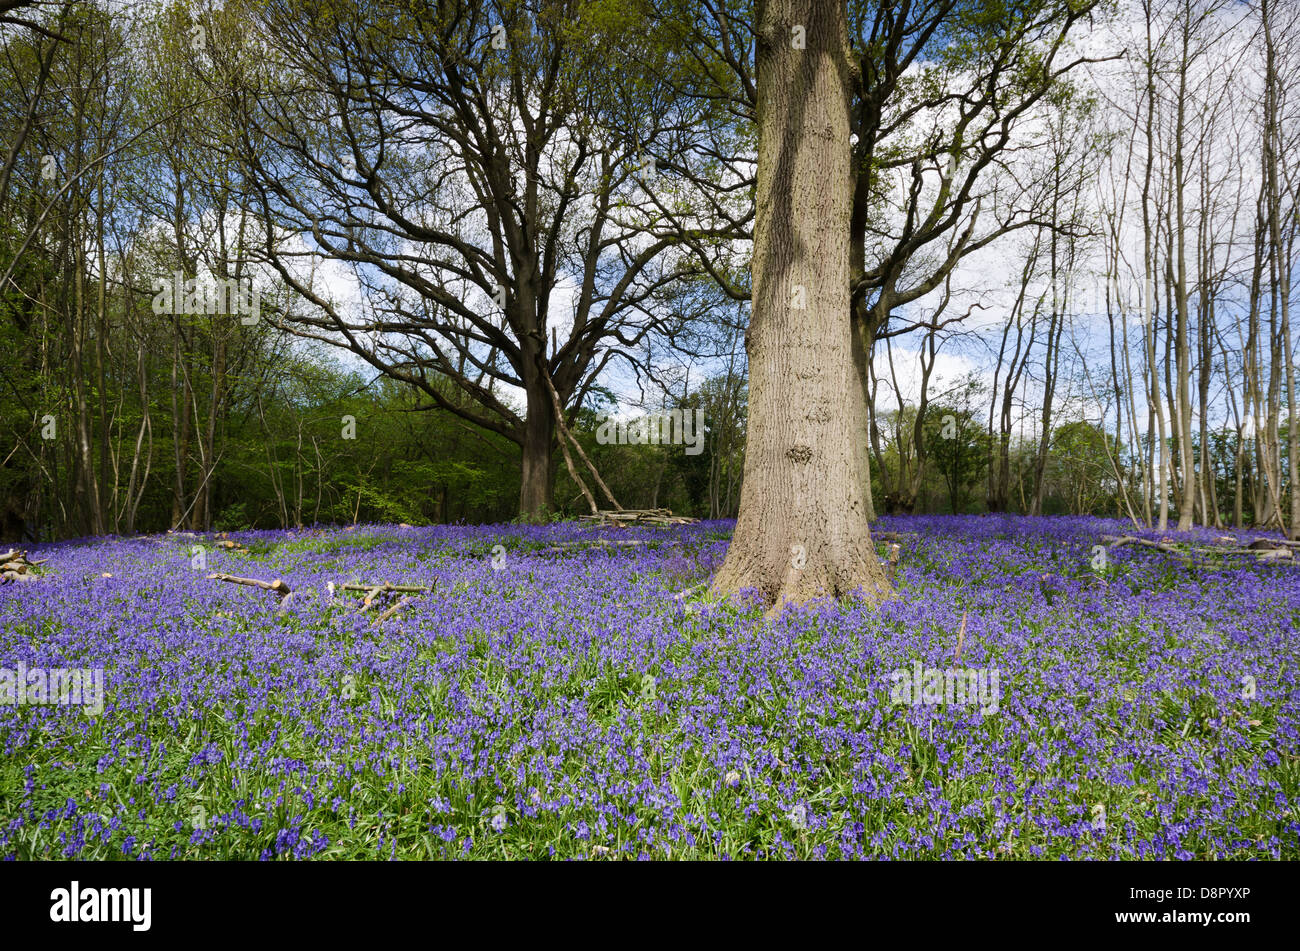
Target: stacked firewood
(16, 566)
(224, 541)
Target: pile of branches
(623, 517)
(372, 592)
(617, 516)
(1261, 549)
(16, 566)
(603, 543)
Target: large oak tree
(802, 529)
(499, 207)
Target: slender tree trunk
(1273, 155)
(1182, 354)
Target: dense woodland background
(1077, 266)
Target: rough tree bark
(802, 530)
(538, 446)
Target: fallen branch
(892, 536)
(603, 543)
(375, 590)
(1263, 549)
(405, 588)
(1275, 554)
(680, 597)
(394, 609)
(1118, 541)
(278, 586)
(1272, 543)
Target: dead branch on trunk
(573, 474)
(565, 434)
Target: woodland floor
(552, 698)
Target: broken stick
(394, 609)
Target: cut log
(16, 566)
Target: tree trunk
(1182, 355)
(538, 478)
(802, 531)
(1273, 148)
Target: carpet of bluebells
(556, 700)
